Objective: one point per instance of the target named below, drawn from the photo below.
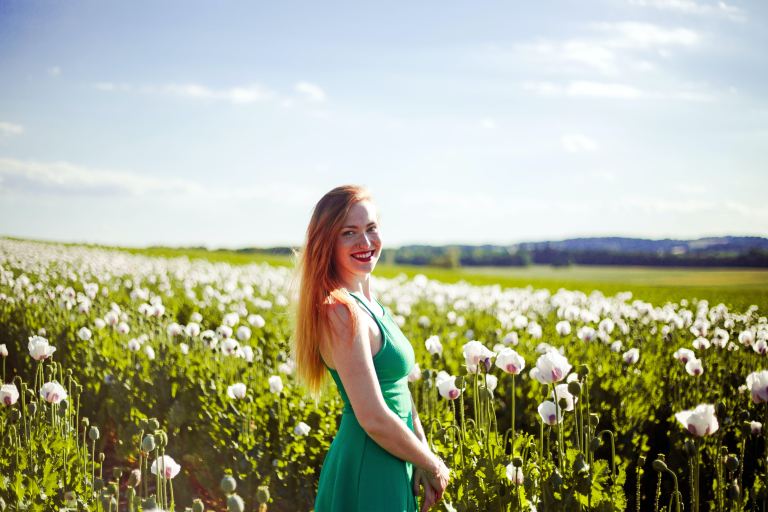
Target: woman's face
(358, 245)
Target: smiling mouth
(363, 256)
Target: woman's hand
(438, 477)
(430, 498)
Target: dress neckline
(371, 305)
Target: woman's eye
(347, 233)
(373, 229)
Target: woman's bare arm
(417, 428)
(354, 364)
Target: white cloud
(612, 90)
(310, 91)
(67, 177)
(646, 35)
(239, 95)
(719, 8)
(10, 128)
(578, 143)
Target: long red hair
(319, 284)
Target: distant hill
(735, 244)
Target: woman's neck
(359, 285)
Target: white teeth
(363, 256)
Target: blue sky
(221, 124)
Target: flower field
(149, 383)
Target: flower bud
(574, 388)
(153, 424)
(102, 456)
(562, 403)
(148, 443)
(84, 422)
(197, 505)
(595, 444)
(15, 415)
(93, 433)
(117, 472)
(584, 370)
(162, 439)
(594, 419)
(134, 478)
(659, 465)
(113, 487)
(732, 462)
(235, 503)
(228, 484)
(517, 462)
(32, 408)
(580, 465)
(63, 405)
(98, 484)
(734, 492)
(262, 494)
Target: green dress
(358, 474)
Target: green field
(735, 287)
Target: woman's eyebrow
(355, 227)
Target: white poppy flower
(275, 384)
(150, 352)
(475, 353)
(84, 333)
(184, 348)
(701, 421)
(549, 413)
(511, 339)
(694, 367)
(53, 392)
(243, 333)
(631, 356)
(757, 383)
(510, 361)
(9, 394)
(3, 350)
(166, 465)
(123, 328)
(39, 348)
(446, 386)
(134, 345)
(229, 347)
(550, 367)
(174, 330)
(301, 429)
(684, 355)
(561, 392)
(256, 321)
(563, 328)
(236, 391)
(434, 346)
(514, 474)
(617, 346)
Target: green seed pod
(153, 424)
(117, 472)
(262, 494)
(517, 462)
(148, 443)
(63, 405)
(584, 370)
(162, 439)
(574, 388)
(15, 415)
(594, 419)
(228, 484)
(113, 488)
(563, 403)
(134, 478)
(659, 465)
(98, 484)
(102, 456)
(746, 428)
(734, 492)
(84, 422)
(32, 408)
(235, 503)
(595, 443)
(197, 505)
(93, 433)
(61, 413)
(732, 462)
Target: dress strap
(368, 309)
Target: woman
(342, 330)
